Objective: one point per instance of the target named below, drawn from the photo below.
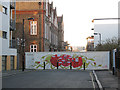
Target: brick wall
(36, 13)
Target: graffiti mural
(64, 61)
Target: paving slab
(108, 81)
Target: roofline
(107, 19)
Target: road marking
(98, 82)
(92, 80)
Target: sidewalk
(13, 72)
(108, 81)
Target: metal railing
(12, 24)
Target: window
(12, 62)
(4, 59)
(4, 10)
(4, 34)
(33, 27)
(33, 48)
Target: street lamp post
(99, 36)
(23, 44)
(23, 49)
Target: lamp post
(23, 44)
(99, 35)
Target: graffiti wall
(65, 60)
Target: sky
(78, 16)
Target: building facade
(8, 55)
(41, 34)
(104, 29)
(60, 33)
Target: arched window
(33, 48)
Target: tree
(108, 45)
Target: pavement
(14, 72)
(108, 80)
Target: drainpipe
(10, 30)
(114, 61)
(39, 3)
(15, 15)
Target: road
(50, 79)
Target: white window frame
(33, 31)
(33, 48)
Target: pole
(40, 43)
(100, 38)
(70, 65)
(84, 65)
(23, 48)
(44, 65)
(57, 65)
(113, 52)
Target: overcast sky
(78, 15)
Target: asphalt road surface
(50, 79)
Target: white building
(8, 56)
(105, 29)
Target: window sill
(4, 38)
(33, 35)
(5, 13)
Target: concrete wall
(5, 49)
(0, 44)
(0, 35)
(6, 27)
(93, 60)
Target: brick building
(42, 34)
(60, 33)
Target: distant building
(78, 48)
(66, 46)
(105, 28)
(60, 33)
(90, 43)
(8, 55)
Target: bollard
(57, 65)
(113, 71)
(84, 65)
(44, 65)
(70, 66)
